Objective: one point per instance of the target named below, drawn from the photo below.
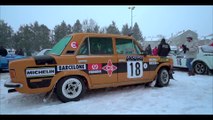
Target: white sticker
(74, 44)
(145, 66)
(40, 72)
(71, 67)
(134, 69)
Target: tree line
(35, 37)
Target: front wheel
(70, 89)
(200, 68)
(162, 78)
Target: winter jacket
(192, 50)
(155, 51)
(163, 49)
(149, 50)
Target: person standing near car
(3, 51)
(149, 50)
(155, 51)
(190, 54)
(163, 48)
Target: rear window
(59, 47)
(207, 49)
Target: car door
(97, 53)
(180, 60)
(132, 66)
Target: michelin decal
(40, 72)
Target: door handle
(121, 60)
(82, 61)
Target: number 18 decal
(134, 69)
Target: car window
(84, 48)
(59, 47)
(138, 51)
(207, 49)
(100, 46)
(125, 46)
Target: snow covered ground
(185, 95)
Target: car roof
(101, 35)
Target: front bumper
(10, 84)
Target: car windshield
(59, 47)
(207, 49)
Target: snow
(184, 95)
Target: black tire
(200, 68)
(162, 78)
(70, 89)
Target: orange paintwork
(93, 81)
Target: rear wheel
(162, 78)
(70, 89)
(200, 68)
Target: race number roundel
(74, 44)
(134, 69)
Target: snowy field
(185, 95)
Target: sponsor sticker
(153, 63)
(71, 67)
(74, 44)
(134, 58)
(109, 68)
(152, 59)
(40, 72)
(94, 68)
(145, 65)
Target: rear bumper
(10, 84)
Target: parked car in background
(44, 52)
(202, 64)
(4, 60)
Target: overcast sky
(152, 20)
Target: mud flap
(171, 72)
(48, 95)
(153, 83)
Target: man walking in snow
(190, 53)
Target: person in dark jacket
(163, 48)
(3, 51)
(149, 50)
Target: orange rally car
(85, 61)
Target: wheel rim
(200, 68)
(71, 88)
(164, 77)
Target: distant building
(178, 39)
(181, 38)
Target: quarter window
(125, 46)
(84, 48)
(101, 46)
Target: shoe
(189, 73)
(192, 72)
